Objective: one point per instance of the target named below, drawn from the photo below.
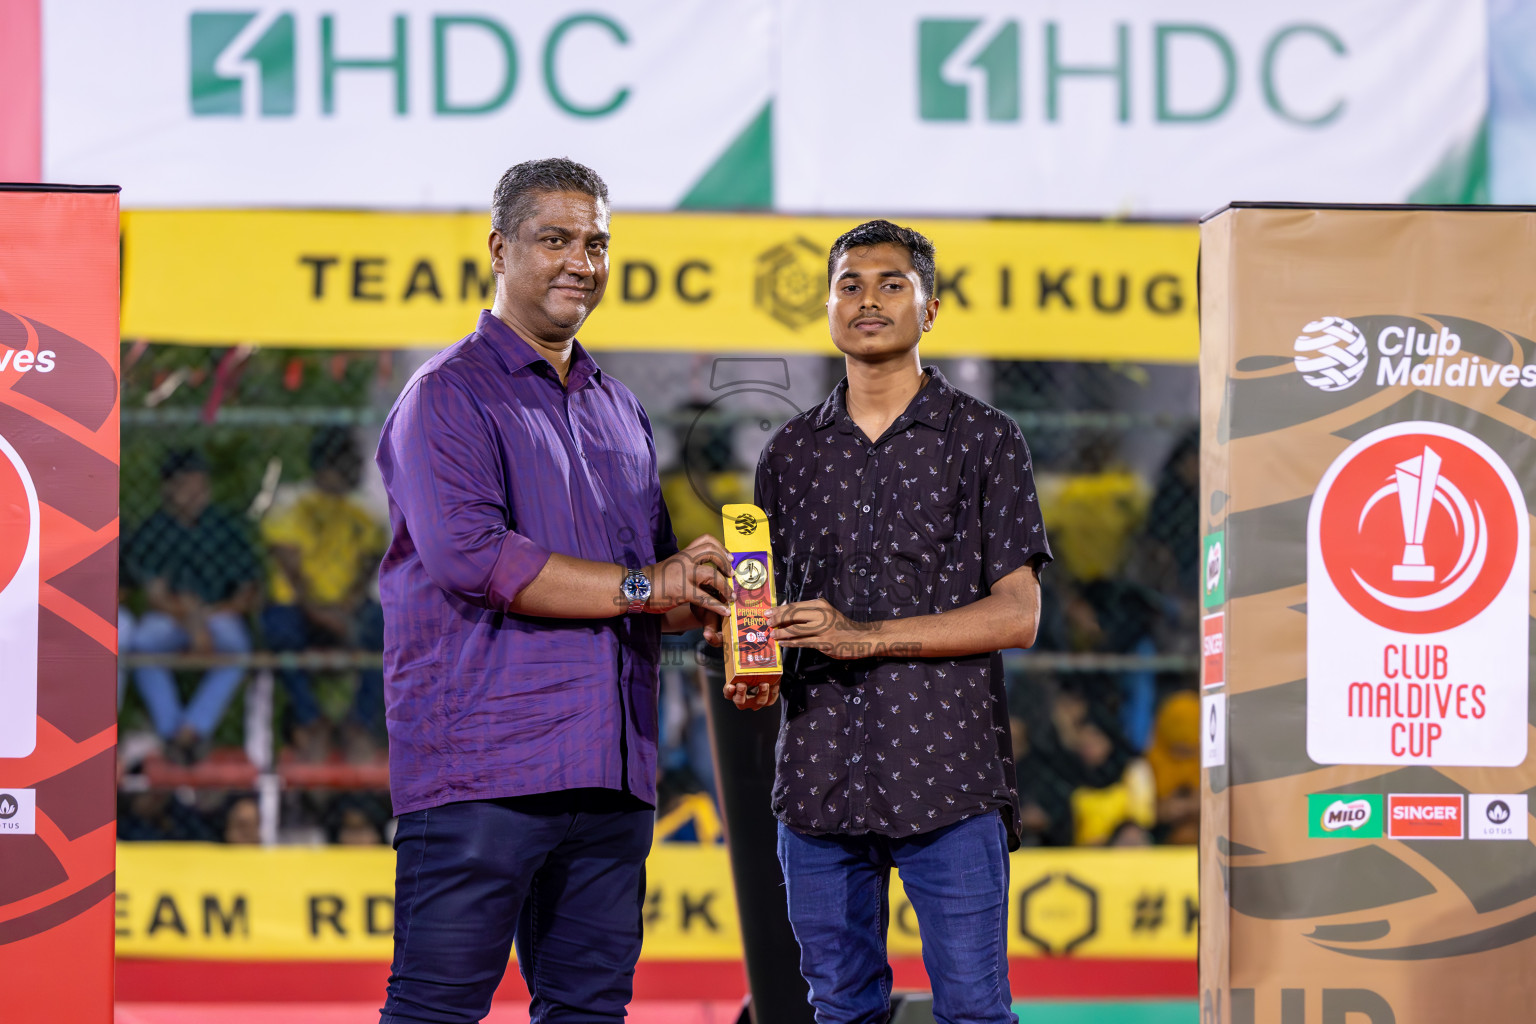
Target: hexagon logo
(791, 283)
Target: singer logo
(1213, 648)
(18, 605)
(1424, 816)
(1418, 532)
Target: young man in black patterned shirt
(908, 544)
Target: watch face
(636, 587)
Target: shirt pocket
(629, 479)
(922, 544)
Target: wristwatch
(636, 590)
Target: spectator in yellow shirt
(325, 548)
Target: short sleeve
(1015, 531)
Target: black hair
(513, 200)
(883, 232)
(182, 460)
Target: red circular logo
(15, 520)
(1418, 532)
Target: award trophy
(1416, 480)
(749, 653)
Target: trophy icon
(1417, 479)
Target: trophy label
(752, 602)
(1418, 589)
(19, 560)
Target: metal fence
(267, 437)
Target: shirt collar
(930, 407)
(517, 353)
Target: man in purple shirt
(532, 571)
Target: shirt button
(856, 700)
(866, 508)
(863, 572)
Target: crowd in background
(1103, 757)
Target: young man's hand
(816, 624)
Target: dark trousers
(561, 873)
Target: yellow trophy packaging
(749, 653)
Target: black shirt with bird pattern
(921, 521)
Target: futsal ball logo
(1331, 354)
(1418, 532)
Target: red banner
(58, 600)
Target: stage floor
(646, 1012)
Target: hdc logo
(473, 64)
(953, 52)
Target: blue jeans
(957, 880)
(158, 633)
(563, 873)
(287, 628)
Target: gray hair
(515, 196)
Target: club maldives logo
(1331, 354)
(18, 605)
(1418, 532)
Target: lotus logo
(1351, 815)
(1498, 812)
(9, 806)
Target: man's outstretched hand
(700, 575)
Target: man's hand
(750, 696)
(699, 575)
(713, 634)
(818, 625)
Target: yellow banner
(211, 902)
(699, 282)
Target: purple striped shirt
(491, 466)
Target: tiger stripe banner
(1368, 423)
(58, 600)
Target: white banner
(1171, 108)
(421, 103)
